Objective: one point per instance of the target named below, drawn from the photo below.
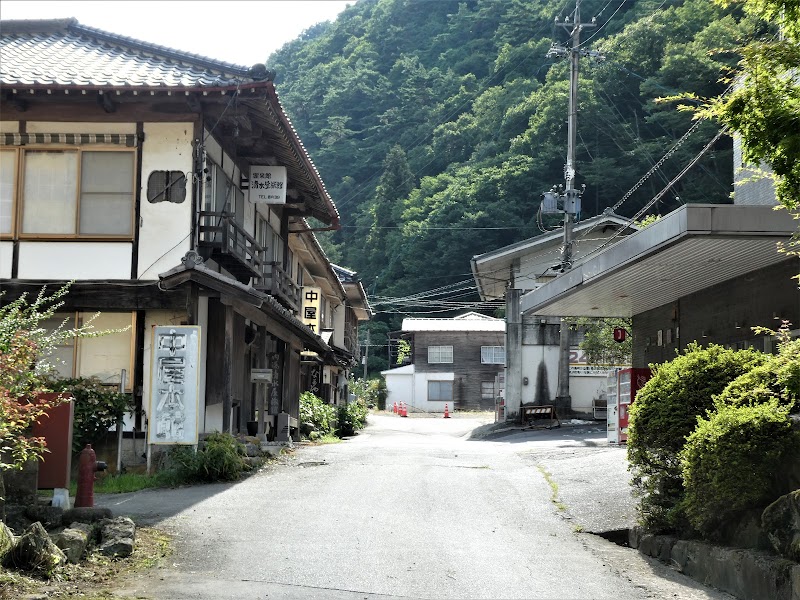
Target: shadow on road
(588, 435)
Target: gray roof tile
(64, 53)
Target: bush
(317, 413)
(220, 457)
(352, 417)
(97, 408)
(734, 461)
(372, 392)
(665, 413)
(777, 379)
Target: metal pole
(122, 380)
(366, 355)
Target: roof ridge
(71, 25)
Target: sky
(240, 32)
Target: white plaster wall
(9, 126)
(338, 324)
(585, 388)
(165, 227)
(105, 356)
(151, 319)
(6, 255)
(213, 421)
(213, 149)
(79, 127)
(419, 398)
(75, 260)
(399, 385)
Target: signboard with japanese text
(579, 364)
(267, 185)
(312, 308)
(174, 385)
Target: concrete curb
(745, 573)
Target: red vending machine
(630, 381)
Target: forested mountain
(437, 124)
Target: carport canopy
(692, 248)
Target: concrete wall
(721, 314)
(406, 384)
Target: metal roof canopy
(692, 248)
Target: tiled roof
(65, 53)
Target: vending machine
(629, 382)
(612, 418)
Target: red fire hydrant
(88, 465)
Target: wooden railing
(231, 246)
(278, 283)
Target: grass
(328, 438)
(553, 488)
(131, 482)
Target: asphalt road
(410, 508)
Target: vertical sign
(174, 385)
(267, 185)
(312, 301)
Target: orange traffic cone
(403, 409)
(446, 412)
(394, 408)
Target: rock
(49, 516)
(84, 527)
(86, 515)
(21, 484)
(251, 449)
(16, 519)
(35, 551)
(781, 522)
(6, 541)
(117, 537)
(72, 543)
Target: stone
(73, 543)
(117, 537)
(251, 449)
(6, 541)
(781, 523)
(35, 551)
(16, 519)
(84, 527)
(86, 515)
(21, 485)
(49, 516)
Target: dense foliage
(372, 392)
(220, 457)
(735, 460)
(351, 417)
(436, 125)
(97, 408)
(320, 415)
(665, 413)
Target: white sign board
(267, 185)
(174, 385)
(259, 375)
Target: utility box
(56, 428)
(629, 382)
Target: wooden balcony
(276, 282)
(224, 241)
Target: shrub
(97, 408)
(778, 378)
(372, 392)
(317, 413)
(352, 417)
(665, 413)
(220, 457)
(734, 461)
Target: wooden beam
(227, 371)
(61, 111)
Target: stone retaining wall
(744, 573)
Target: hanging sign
(174, 385)
(312, 300)
(267, 185)
(620, 334)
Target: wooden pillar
(227, 371)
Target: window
(493, 355)
(73, 192)
(487, 390)
(166, 186)
(440, 354)
(8, 185)
(440, 391)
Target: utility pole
(570, 199)
(366, 355)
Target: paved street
(410, 508)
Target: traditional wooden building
(174, 191)
(452, 361)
